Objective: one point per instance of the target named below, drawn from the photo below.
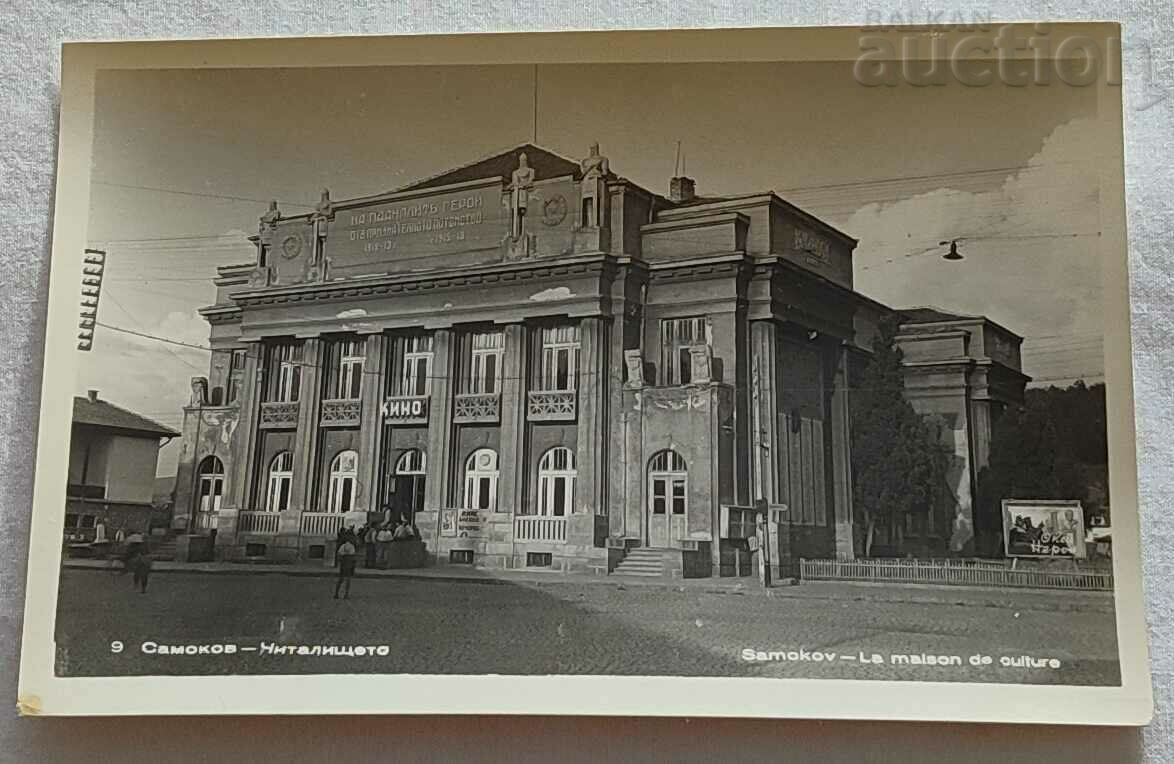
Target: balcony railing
(540, 528)
(321, 523)
(474, 408)
(258, 522)
(279, 414)
(551, 405)
(345, 412)
(406, 409)
(204, 521)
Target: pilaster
(512, 460)
(440, 427)
(592, 448)
(842, 459)
(764, 405)
(306, 439)
(239, 480)
(371, 423)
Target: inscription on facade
(443, 221)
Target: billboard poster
(1043, 528)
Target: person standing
(383, 539)
(138, 563)
(346, 567)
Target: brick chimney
(93, 395)
(681, 189)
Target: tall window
(556, 482)
(211, 485)
(280, 482)
(481, 480)
(408, 482)
(677, 335)
(236, 370)
(485, 366)
(560, 358)
(287, 368)
(348, 377)
(668, 480)
(417, 365)
(344, 471)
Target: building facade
(113, 455)
(539, 363)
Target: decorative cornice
(440, 280)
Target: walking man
(346, 567)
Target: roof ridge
(422, 182)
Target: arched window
(481, 480)
(211, 486)
(668, 481)
(280, 482)
(408, 483)
(556, 482)
(344, 471)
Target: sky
(184, 162)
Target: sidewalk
(841, 591)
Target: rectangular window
(679, 496)
(286, 365)
(71, 520)
(539, 559)
(461, 556)
(677, 335)
(485, 366)
(417, 368)
(349, 380)
(560, 358)
(659, 496)
(236, 370)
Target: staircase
(162, 548)
(642, 561)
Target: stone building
(541, 363)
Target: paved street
(554, 627)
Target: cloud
(1031, 249)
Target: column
(591, 451)
(512, 459)
(306, 440)
(842, 459)
(371, 422)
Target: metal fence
(954, 573)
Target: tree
(898, 462)
(1046, 449)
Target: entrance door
(668, 497)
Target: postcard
(756, 373)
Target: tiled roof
(545, 163)
(100, 413)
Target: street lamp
(953, 254)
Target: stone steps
(644, 562)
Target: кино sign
(405, 408)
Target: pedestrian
(384, 538)
(403, 531)
(346, 567)
(367, 537)
(139, 564)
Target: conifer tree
(898, 462)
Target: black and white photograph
(760, 370)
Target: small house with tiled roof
(113, 454)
